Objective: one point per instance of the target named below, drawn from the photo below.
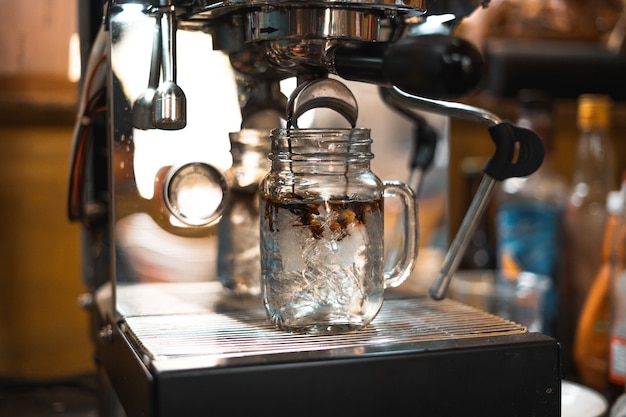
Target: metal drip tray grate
(178, 321)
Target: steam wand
(170, 103)
(143, 106)
(519, 152)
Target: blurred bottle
(239, 262)
(480, 252)
(617, 352)
(591, 341)
(529, 211)
(585, 213)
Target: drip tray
(188, 349)
(179, 322)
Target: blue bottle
(529, 214)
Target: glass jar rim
(316, 144)
(349, 131)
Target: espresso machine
(164, 83)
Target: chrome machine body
(165, 83)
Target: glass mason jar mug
(322, 231)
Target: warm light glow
(73, 68)
(205, 138)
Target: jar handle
(407, 255)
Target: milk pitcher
(321, 228)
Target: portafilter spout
(170, 103)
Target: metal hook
(322, 92)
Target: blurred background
(44, 331)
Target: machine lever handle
(434, 66)
(519, 153)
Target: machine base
(207, 355)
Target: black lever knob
(432, 66)
(519, 152)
